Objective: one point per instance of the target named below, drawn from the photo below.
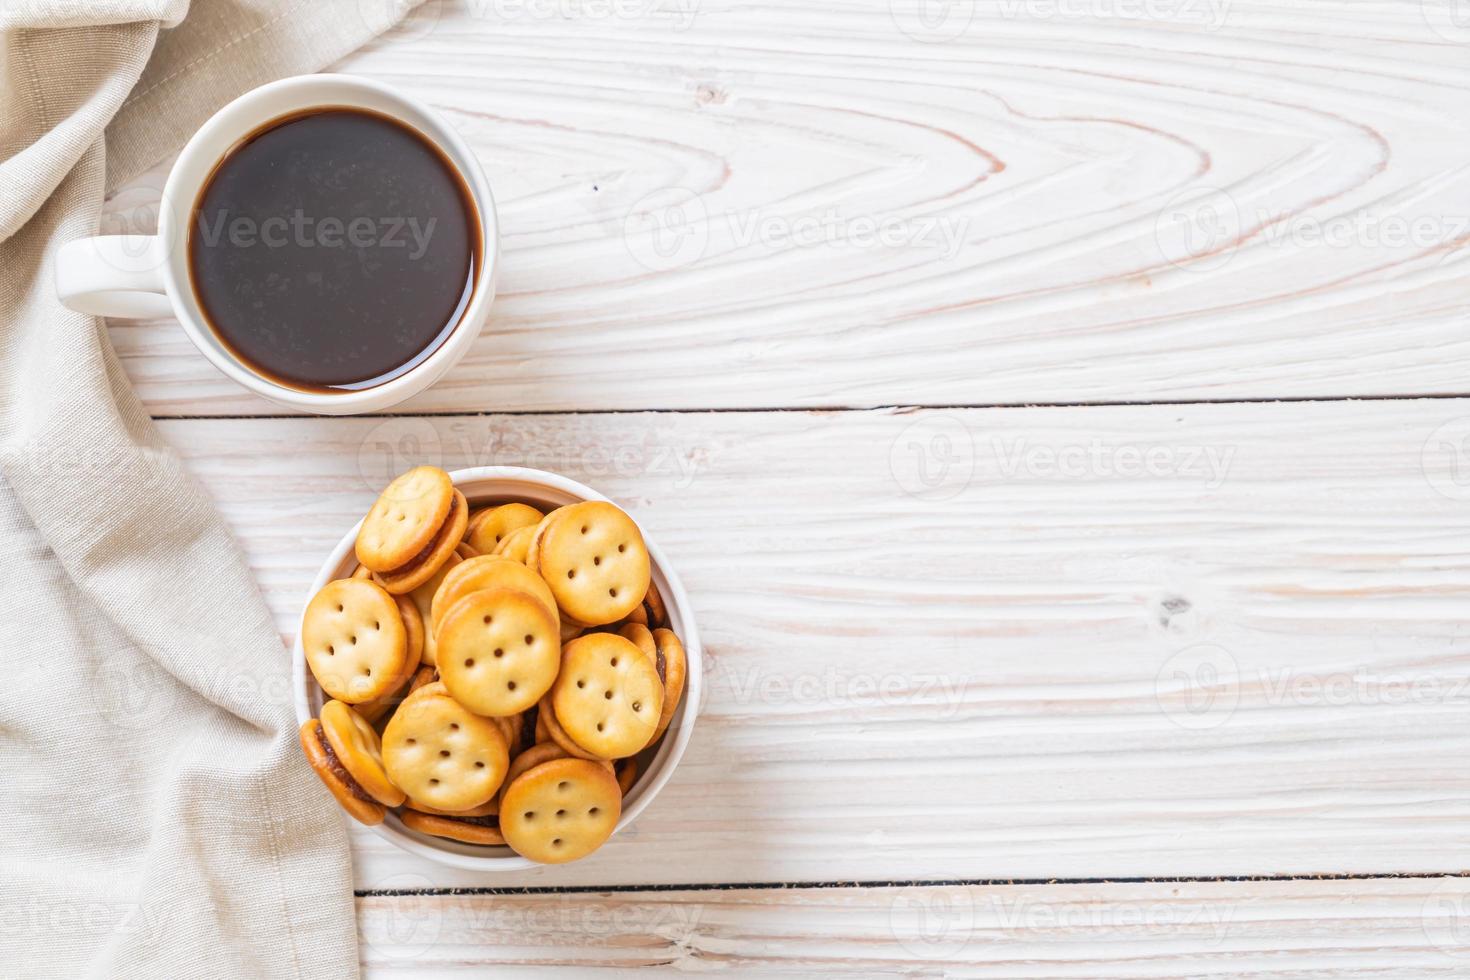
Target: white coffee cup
(148, 275)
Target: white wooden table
(1055, 410)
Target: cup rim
(649, 784)
(199, 154)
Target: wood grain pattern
(961, 644)
(1162, 931)
(806, 204)
(1009, 643)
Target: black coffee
(334, 249)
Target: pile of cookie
(499, 674)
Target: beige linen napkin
(158, 820)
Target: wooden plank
(1008, 643)
(1409, 928)
(1062, 202)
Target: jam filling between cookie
(489, 820)
(528, 728)
(661, 664)
(339, 770)
(433, 544)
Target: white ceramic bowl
(484, 484)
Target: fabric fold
(163, 822)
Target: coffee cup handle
(113, 275)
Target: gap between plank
(911, 883)
(901, 409)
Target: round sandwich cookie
(639, 635)
(405, 518)
(355, 641)
(488, 572)
(425, 676)
(349, 795)
(510, 727)
(653, 604)
(627, 774)
(375, 710)
(423, 600)
(494, 524)
(499, 651)
(468, 830)
(356, 746)
(515, 544)
(672, 666)
(560, 810)
(549, 729)
(413, 630)
(528, 730)
(488, 809)
(442, 754)
(593, 557)
(608, 696)
(536, 755)
(533, 549)
(422, 566)
(530, 759)
(430, 687)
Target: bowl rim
(472, 857)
